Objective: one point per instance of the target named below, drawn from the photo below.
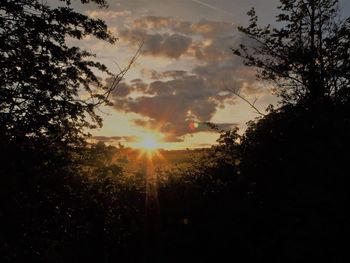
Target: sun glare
(149, 145)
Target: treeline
(278, 192)
(68, 208)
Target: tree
(308, 56)
(49, 89)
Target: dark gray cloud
(167, 45)
(172, 46)
(155, 75)
(122, 89)
(169, 37)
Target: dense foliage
(59, 197)
(46, 84)
(85, 209)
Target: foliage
(307, 57)
(295, 165)
(49, 89)
(216, 168)
(276, 192)
(199, 204)
(61, 200)
(85, 209)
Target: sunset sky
(179, 80)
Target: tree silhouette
(308, 56)
(60, 200)
(293, 160)
(49, 89)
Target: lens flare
(193, 126)
(149, 145)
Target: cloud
(113, 139)
(154, 22)
(167, 45)
(107, 14)
(172, 46)
(174, 105)
(170, 37)
(214, 43)
(173, 74)
(155, 75)
(203, 27)
(106, 139)
(122, 89)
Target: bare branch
(119, 77)
(233, 91)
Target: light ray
(149, 146)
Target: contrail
(211, 7)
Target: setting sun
(149, 143)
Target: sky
(178, 82)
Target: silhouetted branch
(119, 77)
(213, 126)
(244, 99)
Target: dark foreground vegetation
(276, 193)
